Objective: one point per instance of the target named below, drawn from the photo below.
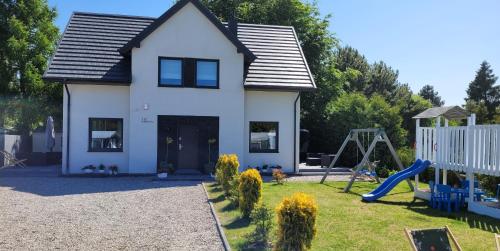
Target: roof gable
(136, 41)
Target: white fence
(461, 147)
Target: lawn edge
(220, 230)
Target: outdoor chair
(11, 160)
(445, 198)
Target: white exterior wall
(273, 107)
(187, 34)
(94, 101)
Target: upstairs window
(188, 72)
(264, 137)
(170, 72)
(105, 135)
(207, 73)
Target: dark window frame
(160, 84)
(183, 72)
(90, 136)
(217, 61)
(277, 124)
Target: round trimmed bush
(296, 222)
(250, 191)
(226, 170)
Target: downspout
(68, 106)
(295, 133)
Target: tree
(483, 89)
(348, 59)
(427, 92)
(27, 39)
(355, 110)
(383, 80)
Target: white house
(133, 82)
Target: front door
(188, 147)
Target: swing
(368, 171)
(379, 135)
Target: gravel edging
(222, 235)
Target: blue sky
(430, 42)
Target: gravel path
(130, 213)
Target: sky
(440, 43)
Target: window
(170, 72)
(188, 72)
(105, 135)
(207, 73)
(264, 137)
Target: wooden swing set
(379, 135)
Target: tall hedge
(296, 222)
(250, 191)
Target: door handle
(180, 146)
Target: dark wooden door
(188, 147)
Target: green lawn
(347, 223)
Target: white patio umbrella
(50, 135)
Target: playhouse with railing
(471, 150)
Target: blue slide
(386, 186)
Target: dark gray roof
(88, 49)
(448, 112)
(280, 62)
(89, 52)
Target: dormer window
(170, 72)
(188, 72)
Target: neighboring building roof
(89, 51)
(448, 112)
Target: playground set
(471, 150)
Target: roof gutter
(68, 124)
(295, 133)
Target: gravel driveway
(41, 211)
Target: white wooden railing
(461, 147)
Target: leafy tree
(27, 39)
(383, 80)
(349, 59)
(427, 92)
(483, 90)
(480, 109)
(355, 110)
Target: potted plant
(88, 169)
(113, 169)
(166, 167)
(163, 170)
(102, 168)
(209, 167)
(265, 168)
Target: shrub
(234, 192)
(262, 217)
(250, 191)
(382, 172)
(406, 155)
(489, 183)
(226, 170)
(296, 222)
(279, 176)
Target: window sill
(105, 151)
(265, 151)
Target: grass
(346, 223)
